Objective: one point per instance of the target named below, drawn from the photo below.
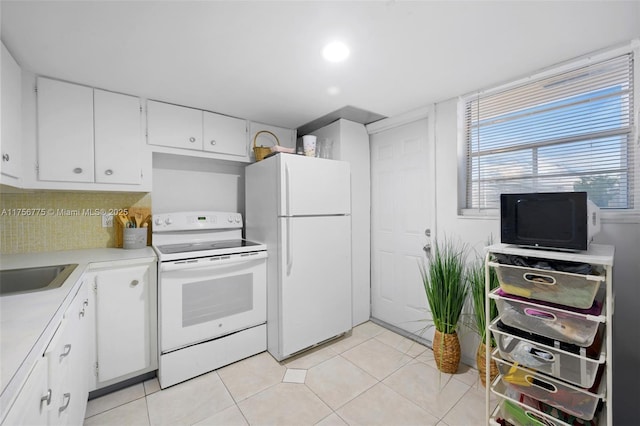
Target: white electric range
(211, 293)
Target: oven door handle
(206, 263)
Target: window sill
(608, 216)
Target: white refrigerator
(300, 207)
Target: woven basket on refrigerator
(261, 151)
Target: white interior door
(400, 215)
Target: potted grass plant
(446, 288)
(476, 282)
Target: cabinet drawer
(577, 327)
(530, 351)
(575, 290)
(563, 396)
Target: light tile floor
(371, 377)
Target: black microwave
(554, 220)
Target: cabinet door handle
(5, 157)
(135, 283)
(85, 303)
(46, 398)
(67, 350)
(108, 172)
(77, 170)
(66, 397)
(192, 139)
(82, 313)
(213, 142)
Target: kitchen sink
(26, 280)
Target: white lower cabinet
(125, 320)
(32, 405)
(56, 390)
(67, 357)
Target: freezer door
(313, 186)
(315, 268)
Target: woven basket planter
(482, 366)
(446, 351)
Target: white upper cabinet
(10, 166)
(65, 131)
(172, 129)
(118, 133)
(225, 135)
(88, 136)
(174, 126)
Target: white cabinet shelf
(599, 256)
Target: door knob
(427, 248)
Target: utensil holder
(134, 238)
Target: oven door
(202, 299)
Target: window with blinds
(569, 132)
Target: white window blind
(569, 132)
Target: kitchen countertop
(28, 321)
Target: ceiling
(261, 60)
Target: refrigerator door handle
(287, 189)
(289, 251)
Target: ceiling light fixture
(336, 51)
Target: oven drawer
(197, 304)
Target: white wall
(182, 183)
(626, 278)
(351, 143)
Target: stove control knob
(159, 221)
(237, 218)
(168, 221)
(230, 219)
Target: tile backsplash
(51, 220)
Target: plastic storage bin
(518, 415)
(567, 362)
(556, 393)
(520, 410)
(577, 327)
(563, 288)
